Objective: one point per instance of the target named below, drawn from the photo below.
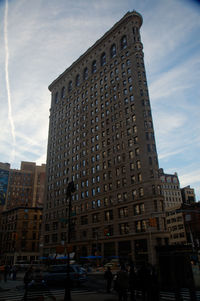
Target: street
(93, 289)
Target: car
(57, 274)
(37, 281)
(113, 265)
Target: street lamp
(70, 190)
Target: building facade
(4, 176)
(101, 136)
(188, 195)
(176, 225)
(20, 232)
(171, 189)
(21, 211)
(26, 185)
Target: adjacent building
(191, 213)
(21, 211)
(101, 136)
(171, 189)
(176, 225)
(188, 195)
(4, 176)
(26, 186)
(20, 232)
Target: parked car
(57, 274)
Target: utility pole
(70, 190)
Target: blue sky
(40, 38)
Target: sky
(41, 38)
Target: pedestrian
(132, 282)
(108, 276)
(27, 280)
(144, 277)
(2, 267)
(28, 276)
(154, 291)
(122, 283)
(6, 272)
(14, 272)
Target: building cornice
(124, 19)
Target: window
(108, 215)
(123, 42)
(93, 191)
(94, 66)
(98, 203)
(140, 226)
(138, 209)
(119, 197)
(56, 98)
(123, 212)
(113, 51)
(84, 220)
(124, 228)
(95, 218)
(138, 164)
(85, 73)
(54, 237)
(131, 155)
(70, 86)
(134, 194)
(141, 192)
(103, 59)
(78, 80)
(63, 92)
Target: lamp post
(70, 190)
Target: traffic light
(152, 222)
(106, 232)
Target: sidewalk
(10, 284)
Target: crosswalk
(170, 296)
(53, 294)
(46, 295)
(185, 295)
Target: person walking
(14, 272)
(132, 282)
(108, 276)
(122, 284)
(6, 272)
(144, 277)
(27, 280)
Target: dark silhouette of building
(101, 136)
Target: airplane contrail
(10, 118)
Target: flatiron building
(101, 137)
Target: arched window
(78, 80)
(123, 42)
(63, 92)
(70, 86)
(113, 51)
(56, 98)
(103, 59)
(85, 73)
(94, 66)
